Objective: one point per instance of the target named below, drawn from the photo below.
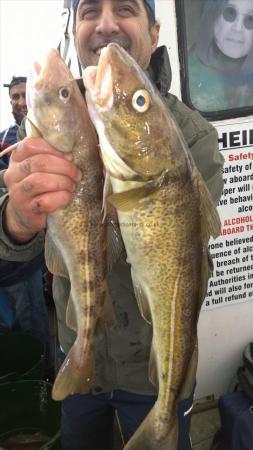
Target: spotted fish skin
(166, 217)
(75, 236)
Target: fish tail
(76, 374)
(150, 437)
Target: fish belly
(163, 246)
(76, 250)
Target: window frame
(242, 111)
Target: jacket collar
(159, 69)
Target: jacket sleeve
(202, 140)
(10, 251)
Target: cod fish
(75, 235)
(166, 217)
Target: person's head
(233, 28)
(130, 23)
(17, 93)
(226, 24)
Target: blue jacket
(12, 272)
(8, 137)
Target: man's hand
(40, 180)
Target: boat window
(216, 52)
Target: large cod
(75, 235)
(166, 217)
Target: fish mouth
(106, 76)
(103, 92)
(98, 51)
(32, 79)
(99, 80)
(98, 44)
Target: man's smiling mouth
(121, 42)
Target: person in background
(23, 306)
(17, 93)
(221, 62)
(122, 353)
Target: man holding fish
(41, 180)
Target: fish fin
(211, 224)
(141, 299)
(147, 438)
(190, 378)
(107, 190)
(76, 374)
(54, 260)
(152, 370)
(205, 272)
(127, 200)
(114, 243)
(31, 129)
(71, 319)
(171, 442)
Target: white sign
(232, 251)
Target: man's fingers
(49, 164)
(40, 186)
(40, 180)
(50, 202)
(39, 183)
(32, 146)
(40, 163)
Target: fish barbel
(75, 236)
(166, 217)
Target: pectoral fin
(128, 200)
(53, 257)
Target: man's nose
(22, 101)
(108, 23)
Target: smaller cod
(166, 217)
(75, 237)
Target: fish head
(129, 112)
(54, 102)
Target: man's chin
(18, 117)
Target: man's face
(18, 101)
(233, 30)
(99, 22)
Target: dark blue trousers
(87, 420)
(27, 309)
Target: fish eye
(64, 93)
(141, 100)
